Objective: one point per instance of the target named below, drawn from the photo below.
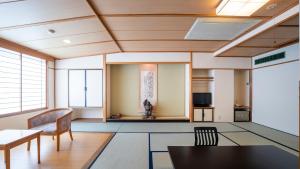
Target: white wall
(149, 57)
(20, 121)
(208, 61)
(223, 95)
(276, 92)
(61, 83)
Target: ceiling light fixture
(239, 7)
(66, 41)
(51, 31)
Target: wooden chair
(52, 122)
(206, 136)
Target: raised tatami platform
(144, 145)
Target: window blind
(33, 83)
(22, 82)
(10, 81)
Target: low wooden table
(231, 157)
(12, 138)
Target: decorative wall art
(148, 84)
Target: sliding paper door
(94, 88)
(77, 88)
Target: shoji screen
(94, 88)
(76, 88)
(10, 81)
(33, 83)
(85, 88)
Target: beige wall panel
(124, 89)
(171, 23)
(171, 90)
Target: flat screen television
(202, 99)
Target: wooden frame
(118, 63)
(85, 75)
(46, 92)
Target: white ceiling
(219, 29)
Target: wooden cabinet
(203, 114)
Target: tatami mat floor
(144, 145)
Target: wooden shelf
(202, 78)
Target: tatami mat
(130, 147)
(247, 138)
(162, 160)
(173, 127)
(160, 142)
(125, 151)
(95, 127)
(278, 136)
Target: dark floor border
(229, 139)
(266, 138)
(91, 164)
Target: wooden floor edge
(93, 158)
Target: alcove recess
(202, 81)
(242, 88)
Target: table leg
(39, 148)
(7, 158)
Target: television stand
(203, 114)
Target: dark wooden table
(231, 157)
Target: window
(33, 83)
(10, 82)
(22, 82)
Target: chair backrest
(206, 136)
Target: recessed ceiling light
(271, 6)
(239, 7)
(51, 31)
(67, 41)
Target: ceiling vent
(216, 28)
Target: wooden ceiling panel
(83, 50)
(281, 6)
(294, 21)
(107, 7)
(266, 42)
(38, 32)
(245, 51)
(34, 11)
(150, 23)
(157, 46)
(150, 35)
(75, 40)
(280, 33)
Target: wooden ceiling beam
(102, 21)
(23, 49)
